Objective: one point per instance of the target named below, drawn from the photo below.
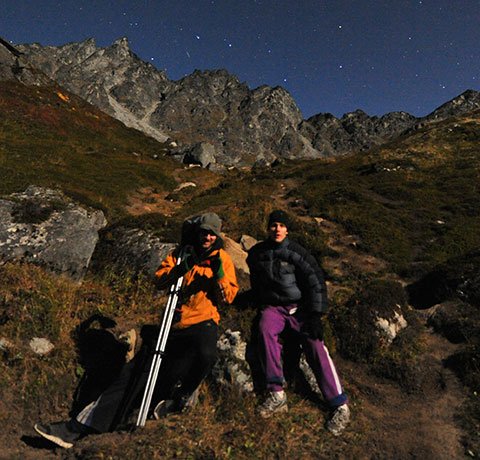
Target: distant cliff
(236, 125)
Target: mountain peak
(243, 125)
(122, 43)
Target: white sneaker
(339, 420)
(276, 401)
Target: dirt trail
(390, 422)
(397, 424)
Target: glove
(188, 262)
(177, 315)
(314, 326)
(216, 264)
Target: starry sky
(331, 55)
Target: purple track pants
(273, 320)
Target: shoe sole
(280, 410)
(55, 439)
(163, 409)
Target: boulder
(201, 153)
(239, 259)
(388, 328)
(247, 242)
(44, 227)
(135, 249)
(231, 369)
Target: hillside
(386, 223)
(50, 137)
(241, 125)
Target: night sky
(331, 55)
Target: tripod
(160, 346)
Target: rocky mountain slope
(13, 66)
(234, 124)
(387, 225)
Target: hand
(216, 264)
(177, 315)
(188, 262)
(314, 326)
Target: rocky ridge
(210, 117)
(13, 66)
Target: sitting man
(290, 289)
(209, 281)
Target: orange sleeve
(167, 273)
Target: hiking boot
(275, 402)
(163, 408)
(58, 433)
(169, 406)
(339, 420)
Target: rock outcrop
(354, 131)
(44, 227)
(134, 249)
(465, 102)
(14, 66)
(113, 79)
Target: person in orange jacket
(209, 281)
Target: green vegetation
(414, 202)
(353, 319)
(52, 138)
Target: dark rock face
(13, 66)
(354, 131)
(133, 249)
(457, 278)
(43, 227)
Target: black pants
(190, 355)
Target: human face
(277, 232)
(206, 239)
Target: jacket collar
(275, 245)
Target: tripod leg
(159, 349)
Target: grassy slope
(393, 198)
(52, 138)
(414, 202)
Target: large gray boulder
(134, 249)
(42, 226)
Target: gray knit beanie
(210, 221)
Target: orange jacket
(201, 293)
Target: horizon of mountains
(209, 117)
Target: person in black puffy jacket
(291, 292)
